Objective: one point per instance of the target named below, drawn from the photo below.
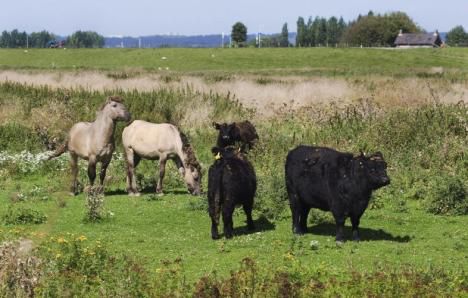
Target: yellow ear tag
(218, 156)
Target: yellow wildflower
(82, 238)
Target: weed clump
(448, 197)
(19, 274)
(94, 204)
(16, 215)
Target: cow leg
(303, 218)
(213, 202)
(74, 172)
(340, 222)
(248, 213)
(162, 170)
(227, 220)
(355, 223)
(296, 211)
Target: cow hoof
(339, 243)
(298, 232)
(134, 194)
(73, 194)
(215, 237)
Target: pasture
(347, 62)
(413, 234)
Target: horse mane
(111, 98)
(190, 158)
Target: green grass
(290, 61)
(167, 228)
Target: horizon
(147, 18)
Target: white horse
(162, 141)
(94, 141)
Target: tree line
(371, 30)
(45, 39)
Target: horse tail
(60, 150)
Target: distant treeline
(16, 39)
(369, 30)
(45, 39)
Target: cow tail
(60, 150)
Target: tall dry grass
(265, 94)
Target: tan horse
(163, 141)
(94, 141)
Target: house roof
(418, 39)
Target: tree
(5, 40)
(284, 39)
(378, 30)
(457, 37)
(40, 39)
(322, 32)
(239, 34)
(85, 39)
(332, 31)
(313, 27)
(341, 28)
(301, 32)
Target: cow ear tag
(218, 156)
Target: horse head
(192, 174)
(115, 109)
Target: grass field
(347, 62)
(414, 236)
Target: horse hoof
(134, 194)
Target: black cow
(231, 182)
(243, 132)
(318, 177)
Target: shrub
(94, 204)
(23, 215)
(78, 267)
(19, 274)
(448, 197)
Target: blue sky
(146, 17)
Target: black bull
(318, 177)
